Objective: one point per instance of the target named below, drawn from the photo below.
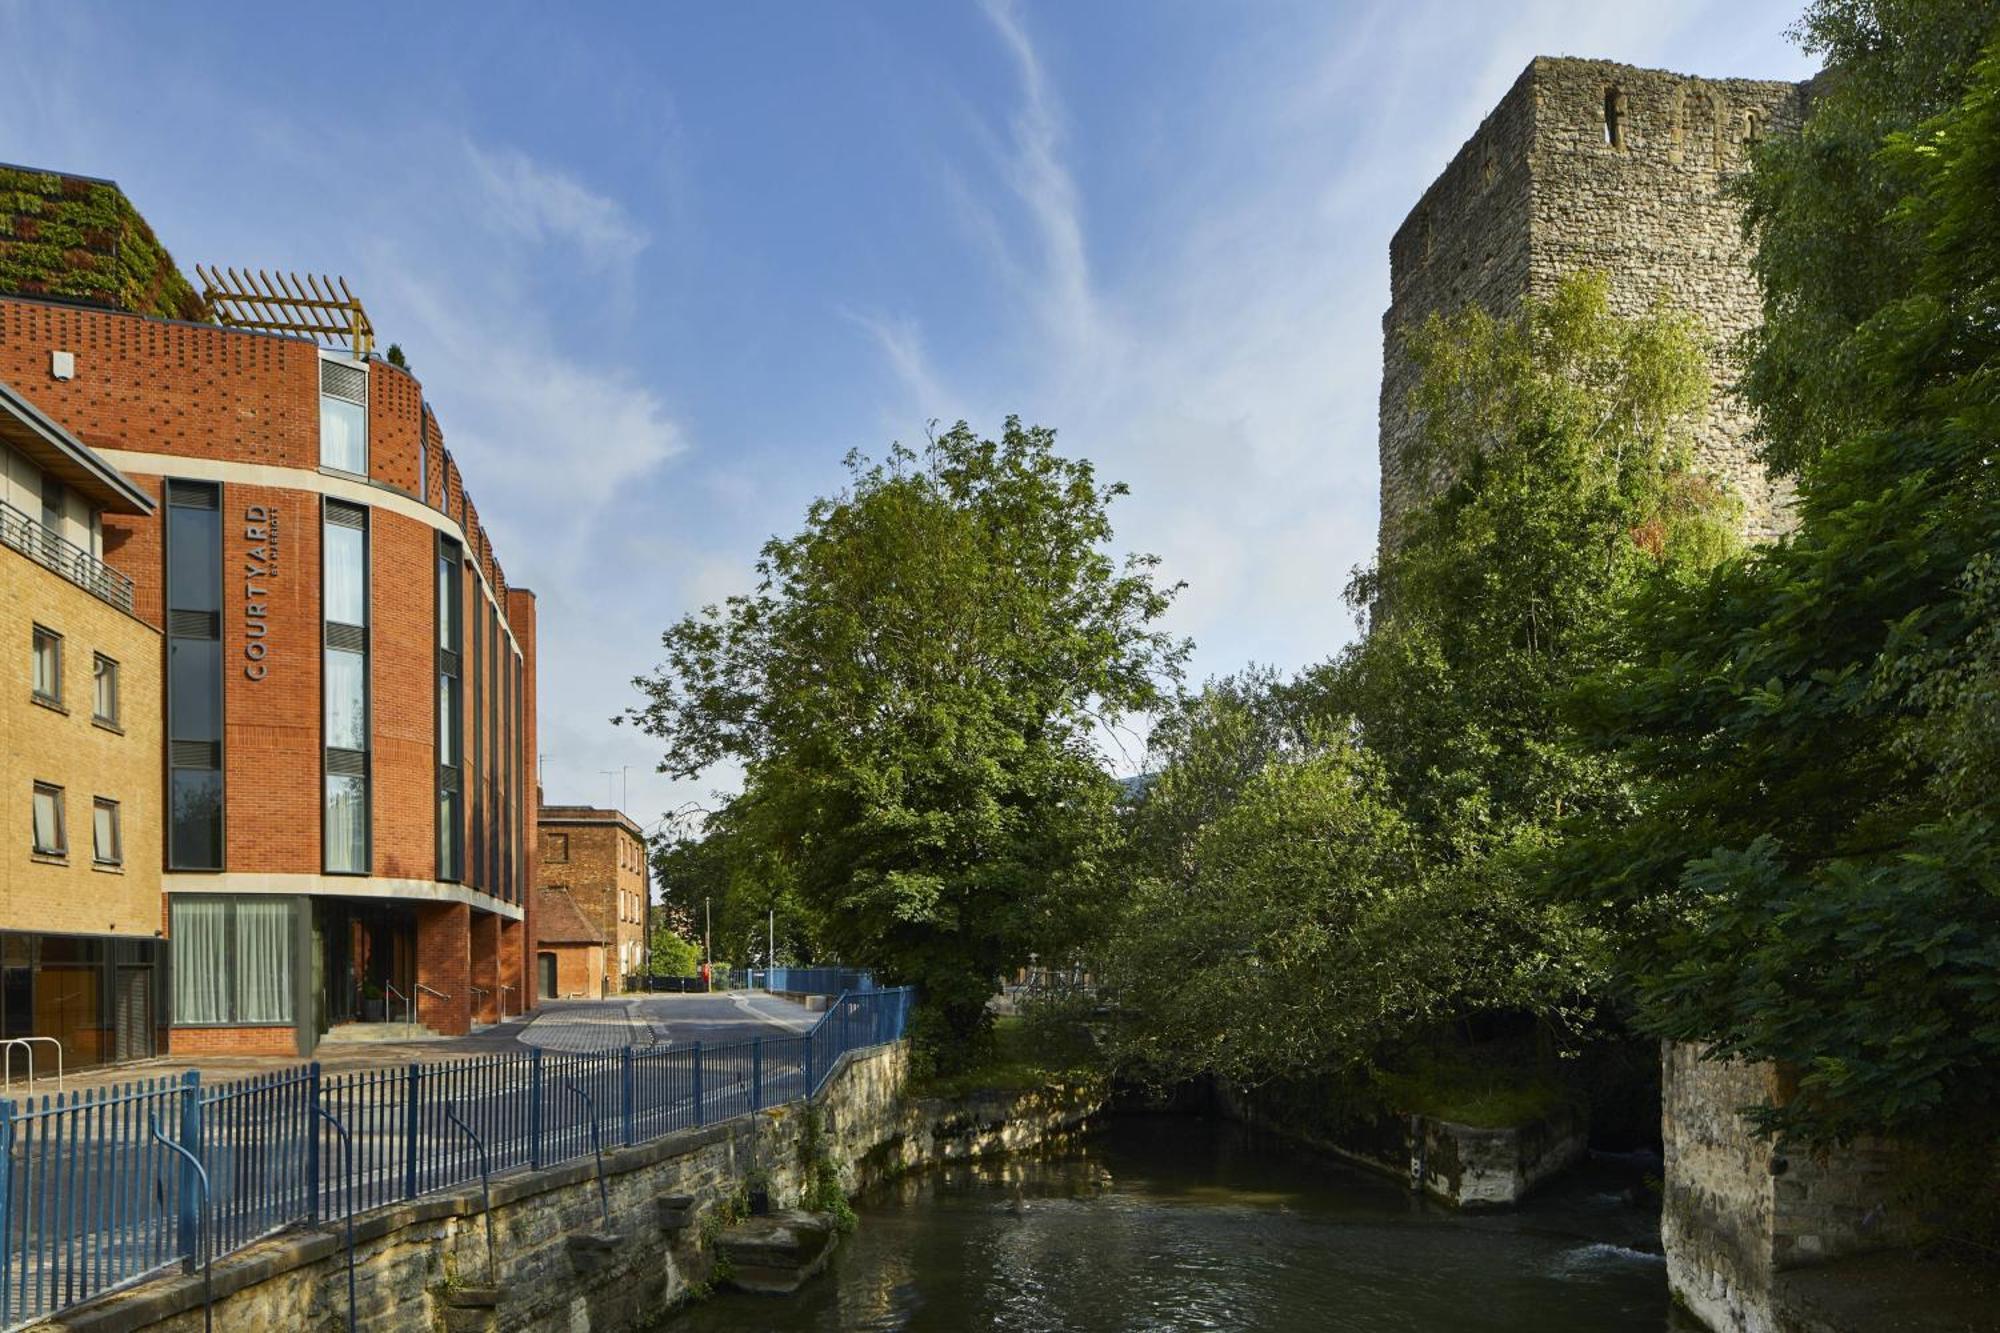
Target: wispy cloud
(543, 204)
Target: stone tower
(1589, 164)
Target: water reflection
(1180, 1225)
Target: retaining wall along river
(566, 1255)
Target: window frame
(97, 857)
(362, 407)
(365, 653)
(189, 496)
(98, 676)
(61, 848)
(43, 634)
(230, 957)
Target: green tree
(1282, 920)
(672, 954)
(1560, 441)
(1830, 246)
(913, 690)
(1329, 872)
(1812, 875)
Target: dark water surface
(1181, 1224)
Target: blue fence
(92, 1200)
(811, 980)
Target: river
(1158, 1225)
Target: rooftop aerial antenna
(322, 309)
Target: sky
(660, 266)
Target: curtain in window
(346, 592)
(343, 435)
(346, 824)
(201, 960)
(346, 700)
(263, 962)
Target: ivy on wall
(69, 238)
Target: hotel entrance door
(366, 955)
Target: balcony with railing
(53, 551)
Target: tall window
(194, 675)
(50, 837)
(48, 666)
(104, 705)
(1614, 116)
(232, 960)
(451, 729)
(106, 848)
(475, 774)
(344, 606)
(343, 416)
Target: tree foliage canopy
(1812, 873)
(1327, 871)
(913, 690)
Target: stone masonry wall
(559, 1263)
(1539, 192)
(1740, 1210)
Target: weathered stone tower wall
(1589, 164)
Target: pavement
(647, 1021)
(655, 1021)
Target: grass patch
(1490, 1087)
(1025, 1056)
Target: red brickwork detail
(444, 963)
(517, 966)
(402, 666)
(272, 734)
(160, 387)
(395, 427)
(603, 871)
(486, 967)
(233, 1041)
(521, 614)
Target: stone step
(777, 1253)
(344, 1034)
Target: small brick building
(592, 895)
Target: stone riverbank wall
(557, 1262)
(1740, 1211)
(1463, 1165)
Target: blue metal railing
(90, 1201)
(811, 980)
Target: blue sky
(661, 265)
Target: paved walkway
(558, 1025)
(653, 1021)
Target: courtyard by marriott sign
(260, 567)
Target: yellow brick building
(80, 757)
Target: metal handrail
(207, 1225)
(485, 1189)
(53, 551)
(504, 988)
(590, 1102)
(430, 991)
(409, 1002)
(347, 1173)
(28, 1043)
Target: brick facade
(161, 399)
(597, 858)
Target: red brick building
(591, 901)
(349, 808)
